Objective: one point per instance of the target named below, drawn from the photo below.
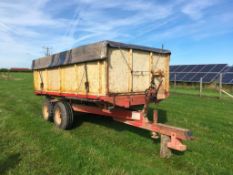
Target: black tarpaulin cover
(86, 53)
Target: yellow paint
(150, 65)
(72, 78)
(100, 76)
(68, 79)
(76, 78)
(141, 71)
(118, 70)
(130, 58)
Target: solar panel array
(228, 76)
(194, 73)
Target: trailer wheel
(63, 115)
(47, 110)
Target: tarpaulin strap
(131, 70)
(81, 81)
(41, 79)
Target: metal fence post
(175, 81)
(220, 85)
(201, 87)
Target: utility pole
(47, 50)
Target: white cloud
(195, 8)
(26, 25)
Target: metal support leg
(176, 143)
(154, 135)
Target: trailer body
(108, 78)
(106, 71)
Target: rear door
(129, 71)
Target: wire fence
(215, 89)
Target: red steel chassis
(119, 112)
(119, 100)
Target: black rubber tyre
(47, 110)
(63, 115)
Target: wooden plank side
(40, 76)
(53, 80)
(119, 70)
(93, 77)
(167, 73)
(161, 63)
(68, 79)
(81, 78)
(36, 81)
(141, 71)
(130, 75)
(72, 78)
(141, 63)
(102, 77)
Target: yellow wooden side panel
(68, 79)
(119, 70)
(121, 63)
(103, 77)
(54, 80)
(141, 72)
(124, 61)
(161, 62)
(81, 78)
(88, 73)
(39, 77)
(72, 79)
(36, 80)
(93, 77)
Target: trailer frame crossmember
(137, 119)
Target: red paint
(155, 117)
(125, 116)
(115, 113)
(133, 118)
(118, 100)
(176, 143)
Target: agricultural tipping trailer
(110, 79)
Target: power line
(48, 51)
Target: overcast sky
(196, 31)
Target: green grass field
(98, 145)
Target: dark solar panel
(208, 68)
(172, 75)
(208, 73)
(188, 77)
(219, 68)
(188, 68)
(230, 69)
(198, 68)
(209, 77)
(197, 77)
(227, 78)
(175, 68)
(180, 68)
(179, 76)
(172, 68)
